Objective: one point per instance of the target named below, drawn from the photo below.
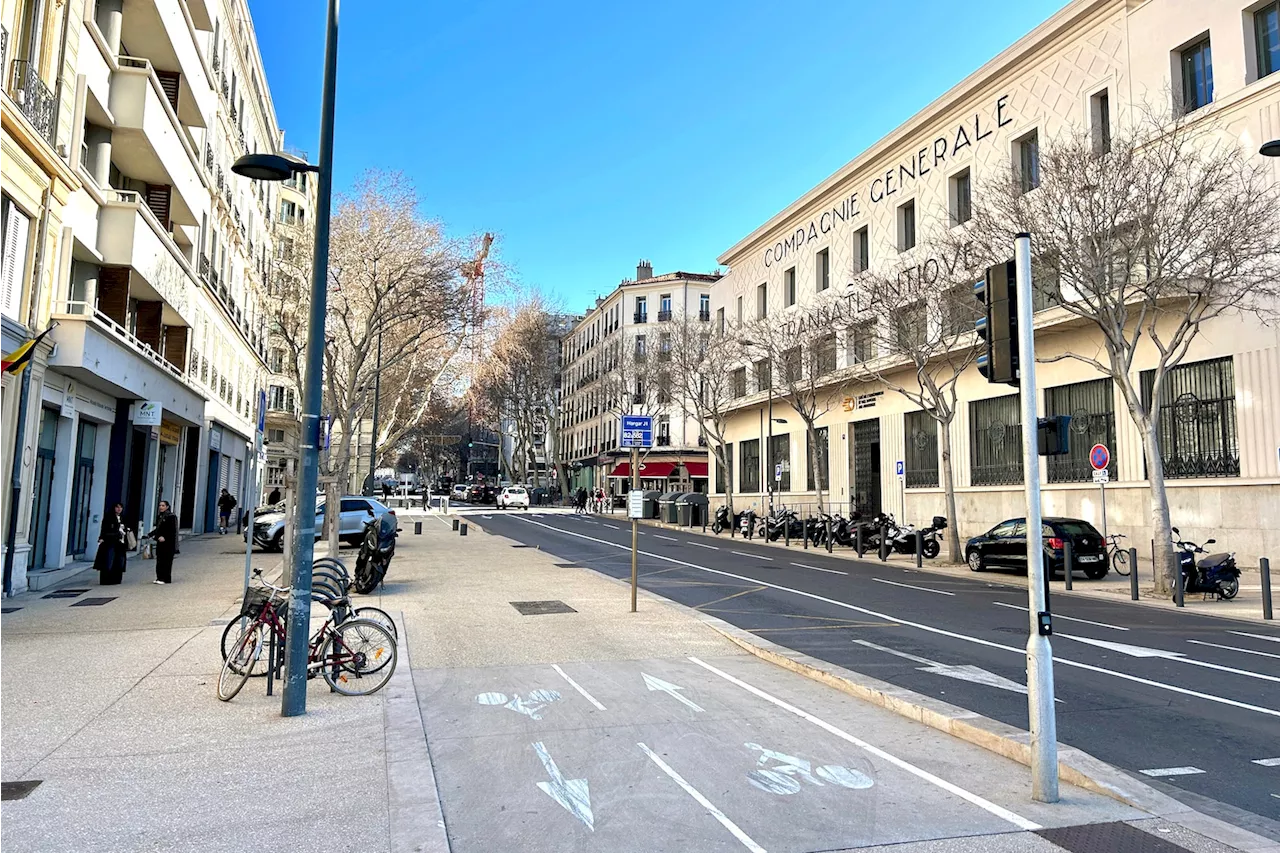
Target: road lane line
(1060, 616)
(700, 545)
(819, 569)
(703, 801)
(910, 657)
(1171, 771)
(909, 586)
(1267, 762)
(753, 556)
(1234, 649)
(1088, 667)
(1256, 636)
(999, 811)
(578, 687)
(611, 526)
(668, 538)
(589, 521)
(1165, 654)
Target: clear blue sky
(588, 135)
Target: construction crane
(473, 272)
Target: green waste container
(667, 507)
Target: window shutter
(16, 227)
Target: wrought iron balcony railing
(664, 316)
(35, 100)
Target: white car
(459, 492)
(513, 496)
(268, 529)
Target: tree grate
(541, 608)
(18, 790)
(1107, 838)
(93, 602)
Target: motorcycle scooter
(376, 550)
(1216, 574)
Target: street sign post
(1100, 459)
(636, 432)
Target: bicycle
(345, 651)
(1119, 556)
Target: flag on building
(18, 359)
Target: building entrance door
(46, 450)
(865, 465)
(82, 488)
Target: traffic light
(998, 327)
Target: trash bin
(692, 509)
(667, 507)
(651, 503)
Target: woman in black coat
(110, 559)
(165, 535)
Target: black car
(1005, 546)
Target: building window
(961, 198)
(1091, 407)
(16, 225)
(275, 436)
(789, 286)
(740, 382)
(280, 399)
(921, 457)
(780, 455)
(764, 374)
(907, 226)
(1197, 405)
(824, 475)
(739, 314)
(749, 469)
(704, 306)
(720, 320)
(762, 301)
(995, 441)
(861, 250)
(664, 431)
(642, 309)
(1100, 120)
(275, 360)
(641, 348)
(791, 365)
(1028, 149)
(824, 355)
(1266, 33)
(1197, 75)
(664, 307)
(724, 473)
(862, 342)
(823, 270)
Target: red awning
(696, 469)
(659, 469)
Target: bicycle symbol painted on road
(529, 705)
(787, 771)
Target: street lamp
(1270, 149)
(278, 167)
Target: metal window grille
(824, 469)
(995, 441)
(724, 473)
(1091, 407)
(1197, 414)
(921, 457)
(780, 454)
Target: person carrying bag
(110, 561)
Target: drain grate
(9, 609)
(1107, 838)
(93, 602)
(64, 593)
(541, 608)
(521, 546)
(18, 790)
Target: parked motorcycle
(376, 550)
(904, 538)
(1216, 574)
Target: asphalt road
(1190, 704)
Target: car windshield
(1076, 528)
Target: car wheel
(975, 561)
(277, 542)
(1096, 572)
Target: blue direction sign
(637, 431)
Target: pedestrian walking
(386, 492)
(165, 534)
(111, 557)
(274, 497)
(226, 503)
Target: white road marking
(570, 793)
(700, 545)
(998, 811)
(704, 802)
(819, 569)
(1060, 616)
(1088, 667)
(612, 526)
(578, 687)
(589, 521)
(1145, 652)
(668, 538)
(1234, 649)
(1171, 771)
(745, 554)
(909, 586)
(963, 672)
(1267, 762)
(1256, 636)
(670, 689)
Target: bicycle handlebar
(283, 590)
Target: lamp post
(1270, 149)
(276, 167)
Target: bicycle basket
(255, 601)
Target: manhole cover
(92, 602)
(9, 609)
(1107, 838)
(17, 790)
(541, 608)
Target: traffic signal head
(998, 326)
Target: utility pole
(373, 439)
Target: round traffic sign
(1099, 457)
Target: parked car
(513, 496)
(1005, 546)
(268, 529)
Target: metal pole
(1264, 567)
(635, 529)
(1102, 490)
(1044, 734)
(253, 507)
(769, 453)
(919, 549)
(299, 629)
(373, 437)
(15, 484)
(1180, 590)
(1068, 561)
(1133, 574)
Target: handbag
(130, 540)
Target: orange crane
(473, 272)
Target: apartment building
(613, 362)
(1091, 65)
(151, 268)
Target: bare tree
(1146, 237)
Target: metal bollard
(828, 535)
(884, 543)
(1264, 567)
(919, 549)
(455, 524)
(859, 547)
(806, 535)
(786, 532)
(462, 529)
(417, 528)
(1068, 562)
(1133, 573)
(1178, 589)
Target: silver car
(356, 510)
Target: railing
(34, 99)
(232, 112)
(641, 317)
(204, 269)
(705, 316)
(664, 316)
(215, 62)
(85, 310)
(208, 157)
(220, 179)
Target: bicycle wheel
(382, 617)
(239, 663)
(1120, 561)
(354, 658)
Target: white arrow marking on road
(1060, 616)
(570, 793)
(963, 672)
(1267, 762)
(669, 688)
(1144, 652)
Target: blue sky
(588, 135)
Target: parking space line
(578, 687)
(1060, 616)
(819, 569)
(1234, 649)
(755, 556)
(700, 545)
(982, 803)
(909, 586)
(703, 801)
(1267, 762)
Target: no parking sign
(1099, 457)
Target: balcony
(640, 317)
(130, 236)
(34, 100)
(162, 34)
(662, 440)
(705, 315)
(664, 316)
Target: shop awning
(659, 469)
